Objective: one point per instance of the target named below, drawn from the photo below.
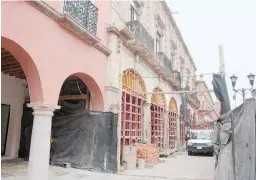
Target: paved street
(176, 167)
(181, 167)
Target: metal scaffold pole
(180, 92)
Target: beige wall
(147, 13)
(13, 94)
(120, 14)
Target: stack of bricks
(147, 152)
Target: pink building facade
(42, 46)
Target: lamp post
(243, 90)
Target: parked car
(200, 142)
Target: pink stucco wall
(49, 53)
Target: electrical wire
(79, 88)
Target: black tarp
(26, 131)
(85, 139)
(234, 141)
(221, 92)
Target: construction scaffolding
(173, 115)
(157, 125)
(131, 130)
(133, 97)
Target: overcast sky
(205, 24)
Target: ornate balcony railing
(141, 34)
(194, 101)
(164, 61)
(176, 79)
(84, 13)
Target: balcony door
(158, 41)
(134, 14)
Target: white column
(146, 126)
(38, 166)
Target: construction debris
(147, 152)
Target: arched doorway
(74, 91)
(133, 97)
(20, 85)
(158, 105)
(173, 115)
(182, 126)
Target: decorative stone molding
(160, 22)
(71, 25)
(111, 88)
(177, 31)
(43, 106)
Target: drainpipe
(120, 51)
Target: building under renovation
(150, 54)
(123, 57)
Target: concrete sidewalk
(178, 166)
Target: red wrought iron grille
(131, 130)
(172, 128)
(157, 125)
(182, 126)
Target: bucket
(141, 164)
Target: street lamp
(243, 90)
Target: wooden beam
(19, 74)
(6, 67)
(12, 70)
(9, 61)
(6, 55)
(72, 97)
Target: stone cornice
(169, 13)
(111, 88)
(71, 25)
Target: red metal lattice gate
(157, 125)
(131, 130)
(172, 129)
(182, 126)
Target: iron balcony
(85, 13)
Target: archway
(74, 92)
(133, 97)
(158, 105)
(182, 126)
(20, 85)
(173, 115)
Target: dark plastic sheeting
(26, 131)
(221, 92)
(85, 139)
(236, 161)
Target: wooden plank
(6, 55)
(6, 61)
(12, 70)
(6, 67)
(72, 97)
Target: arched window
(133, 97)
